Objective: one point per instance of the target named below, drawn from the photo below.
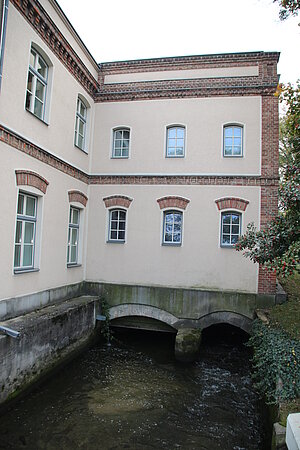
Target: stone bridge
(170, 309)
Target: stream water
(133, 395)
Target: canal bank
(46, 339)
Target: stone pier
(187, 344)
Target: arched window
(230, 228)
(37, 84)
(121, 140)
(117, 225)
(81, 124)
(175, 142)
(233, 140)
(172, 230)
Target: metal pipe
(10, 332)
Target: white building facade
(140, 173)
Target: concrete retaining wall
(47, 337)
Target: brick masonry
(77, 196)
(29, 178)
(232, 202)
(117, 200)
(173, 202)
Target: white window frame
(118, 229)
(240, 127)
(81, 119)
(25, 219)
(175, 127)
(172, 242)
(72, 228)
(230, 233)
(114, 133)
(31, 98)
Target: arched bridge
(170, 309)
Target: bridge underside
(142, 323)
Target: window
(175, 142)
(230, 228)
(80, 124)
(172, 227)
(117, 225)
(233, 141)
(25, 232)
(36, 85)
(73, 236)
(121, 140)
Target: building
(135, 173)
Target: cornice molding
(41, 22)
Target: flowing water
(133, 395)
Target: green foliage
(288, 8)
(277, 246)
(105, 328)
(276, 363)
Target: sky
(118, 30)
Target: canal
(134, 395)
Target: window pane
(30, 207)
(73, 254)
(121, 235)
(29, 81)
(236, 150)
(39, 90)
(81, 127)
(122, 226)
(113, 235)
(171, 151)
(126, 134)
(80, 141)
(18, 238)
(168, 237)
(226, 229)
(228, 151)
(234, 239)
(38, 108)
(237, 131)
(228, 131)
(29, 230)
(74, 235)
(235, 219)
(226, 239)
(82, 109)
(177, 218)
(75, 216)
(68, 255)
(118, 135)
(17, 260)
(114, 225)
(32, 58)
(180, 132)
(169, 217)
(228, 142)
(20, 204)
(172, 132)
(235, 229)
(180, 142)
(172, 142)
(176, 237)
(122, 215)
(169, 228)
(27, 255)
(179, 151)
(42, 68)
(226, 218)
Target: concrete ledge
(16, 306)
(293, 431)
(46, 338)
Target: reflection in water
(134, 395)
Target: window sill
(119, 157)
(115, 242)
(233, 156)
(175, 156)
(231, 246)
(82, 149)
(69, 266)
(171, 244)
(37, 117)
(24, 270)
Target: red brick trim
(77, 196)
(173, 202)
(42, 23)
(117, 200)
(232, 202)
(14, 140)
(29, 178)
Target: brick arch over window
(77, 196)
(117, 200)
(232, 202)
(29, 178)
(173, 202)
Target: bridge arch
(228, 317)
(125, 310)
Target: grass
(287, 315)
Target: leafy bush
(276, 363)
